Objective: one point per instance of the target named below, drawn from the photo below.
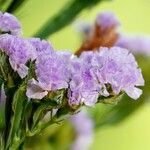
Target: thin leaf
(17, 107)
(15, 5)
(64, 17)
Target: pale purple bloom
(94, 71)
(135, 43)
(83, 87)
(121, 71)
(52, 73)
(84, 127)
(19, 50)
(107, 19)
(9, 23)
(41, 46)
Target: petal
(34, 91)
(22, 70)
(133, 92)
(89, 99)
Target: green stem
(3, 73)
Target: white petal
(34, 91)
(133, 92)
(22, 70)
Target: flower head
(52, 73)
(107, 20)
(10, 24)
(19, 51)
(41, 46)
(96, 71)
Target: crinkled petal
(34, 91)
(133, 92)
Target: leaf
(41, 111)
(14, 5)
(17, 107)
(64, 17)
(113, 100)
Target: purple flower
(121, 71)
(41, 46)
(9, 23)
(107, 20)
(19, 51)
(84, 127)
(136, 44)
(94, 71)
(52, 73)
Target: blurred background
(130, 130)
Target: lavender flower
(83, 87)
(52, 73)
(121, 71)
(41, 46)
(95, 71)
(9, 23)
(107, 20)
(136, 44)
(19, 51)
(84, 127)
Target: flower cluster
(19, 50)
(38, 80)
(52, 73)
(10, 24)
(96, 71)
(106, 72)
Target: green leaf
(111, 99)
(17, 107)
(64, 17)
(15, 5)
(41, 111)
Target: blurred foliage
(64, 17)
(11, 5)
(58, 137)
(15, 5)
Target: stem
(18, 145)
(3, 72)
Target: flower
(19, 50)
(135, 43)
(84, 127)
(9, 23)
(41, 46)
(83, 88)
(121, 71)
(94, 72)
(107, 20)
(52, 73)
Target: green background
(134, 132)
